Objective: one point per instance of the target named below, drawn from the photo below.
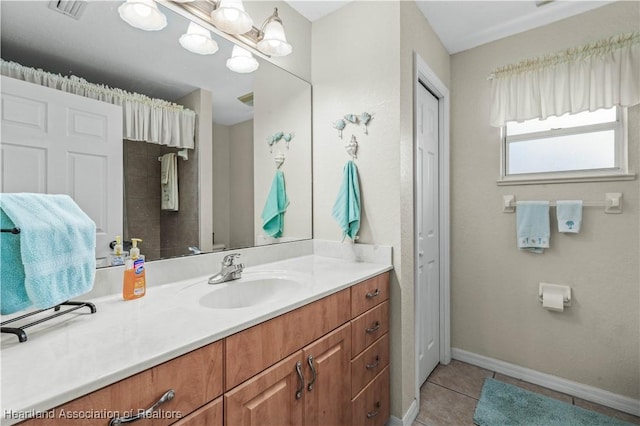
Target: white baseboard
(579, 390)
(408, 418)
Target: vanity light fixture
(198, 40)
(142, 14)
(242, 61)
(230, 17)
(272, 40)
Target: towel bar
(22, 335)
(11, 230)
(611, 204)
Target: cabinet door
(328, 373)
(272, 398)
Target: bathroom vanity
(318, 356)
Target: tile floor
(450, 394)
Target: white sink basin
(251, 290)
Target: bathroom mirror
(246, 111)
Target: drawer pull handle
(375, 328)
(313, 370)
(374, 413)
(168, 396)
(375, 364)
(374, 294)
(301, 377)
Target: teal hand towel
(569, 213)
(275, 207)
(346, 209)
(57, 246)
(533, 229)
(13, 295)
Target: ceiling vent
(247, 99)
(70, 8)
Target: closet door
(55, 142)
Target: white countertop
(79, 352)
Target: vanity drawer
(369, 363)
(369, 293)
(195, 377)
(253, 350)
(369, 327)
(371, 406)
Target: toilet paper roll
(553, 301)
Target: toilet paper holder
(555, 288)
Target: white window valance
(597, 75)
(144, 118)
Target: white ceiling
(462, 25)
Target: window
(582, 146)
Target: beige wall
(282, 103)
(200, 101)
(355, 68)
(495, 311)
(233, 169)
(221, 189)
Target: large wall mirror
(234, 161)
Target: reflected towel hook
(352, 147)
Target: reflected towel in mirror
(169, 182)
(275, 207)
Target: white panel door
(428, 235)
(55, 142)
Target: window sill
(564, 179)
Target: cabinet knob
(143, 414)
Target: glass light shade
(242, 61)
(198, 40)
(231, 18)
(143, 14)
(274, 42)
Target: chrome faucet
(229, 271)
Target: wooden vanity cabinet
(351, 385)
(325, 363)
(196, 378)
(209, 415)
(370, 348)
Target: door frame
(424, 75)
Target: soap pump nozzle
(135, 251)
(117, 248)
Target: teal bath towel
(346, 209)
(57, 248)
(275, 207)
(13, 296)
(532, 219)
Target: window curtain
(589, 77)
(144, 118)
